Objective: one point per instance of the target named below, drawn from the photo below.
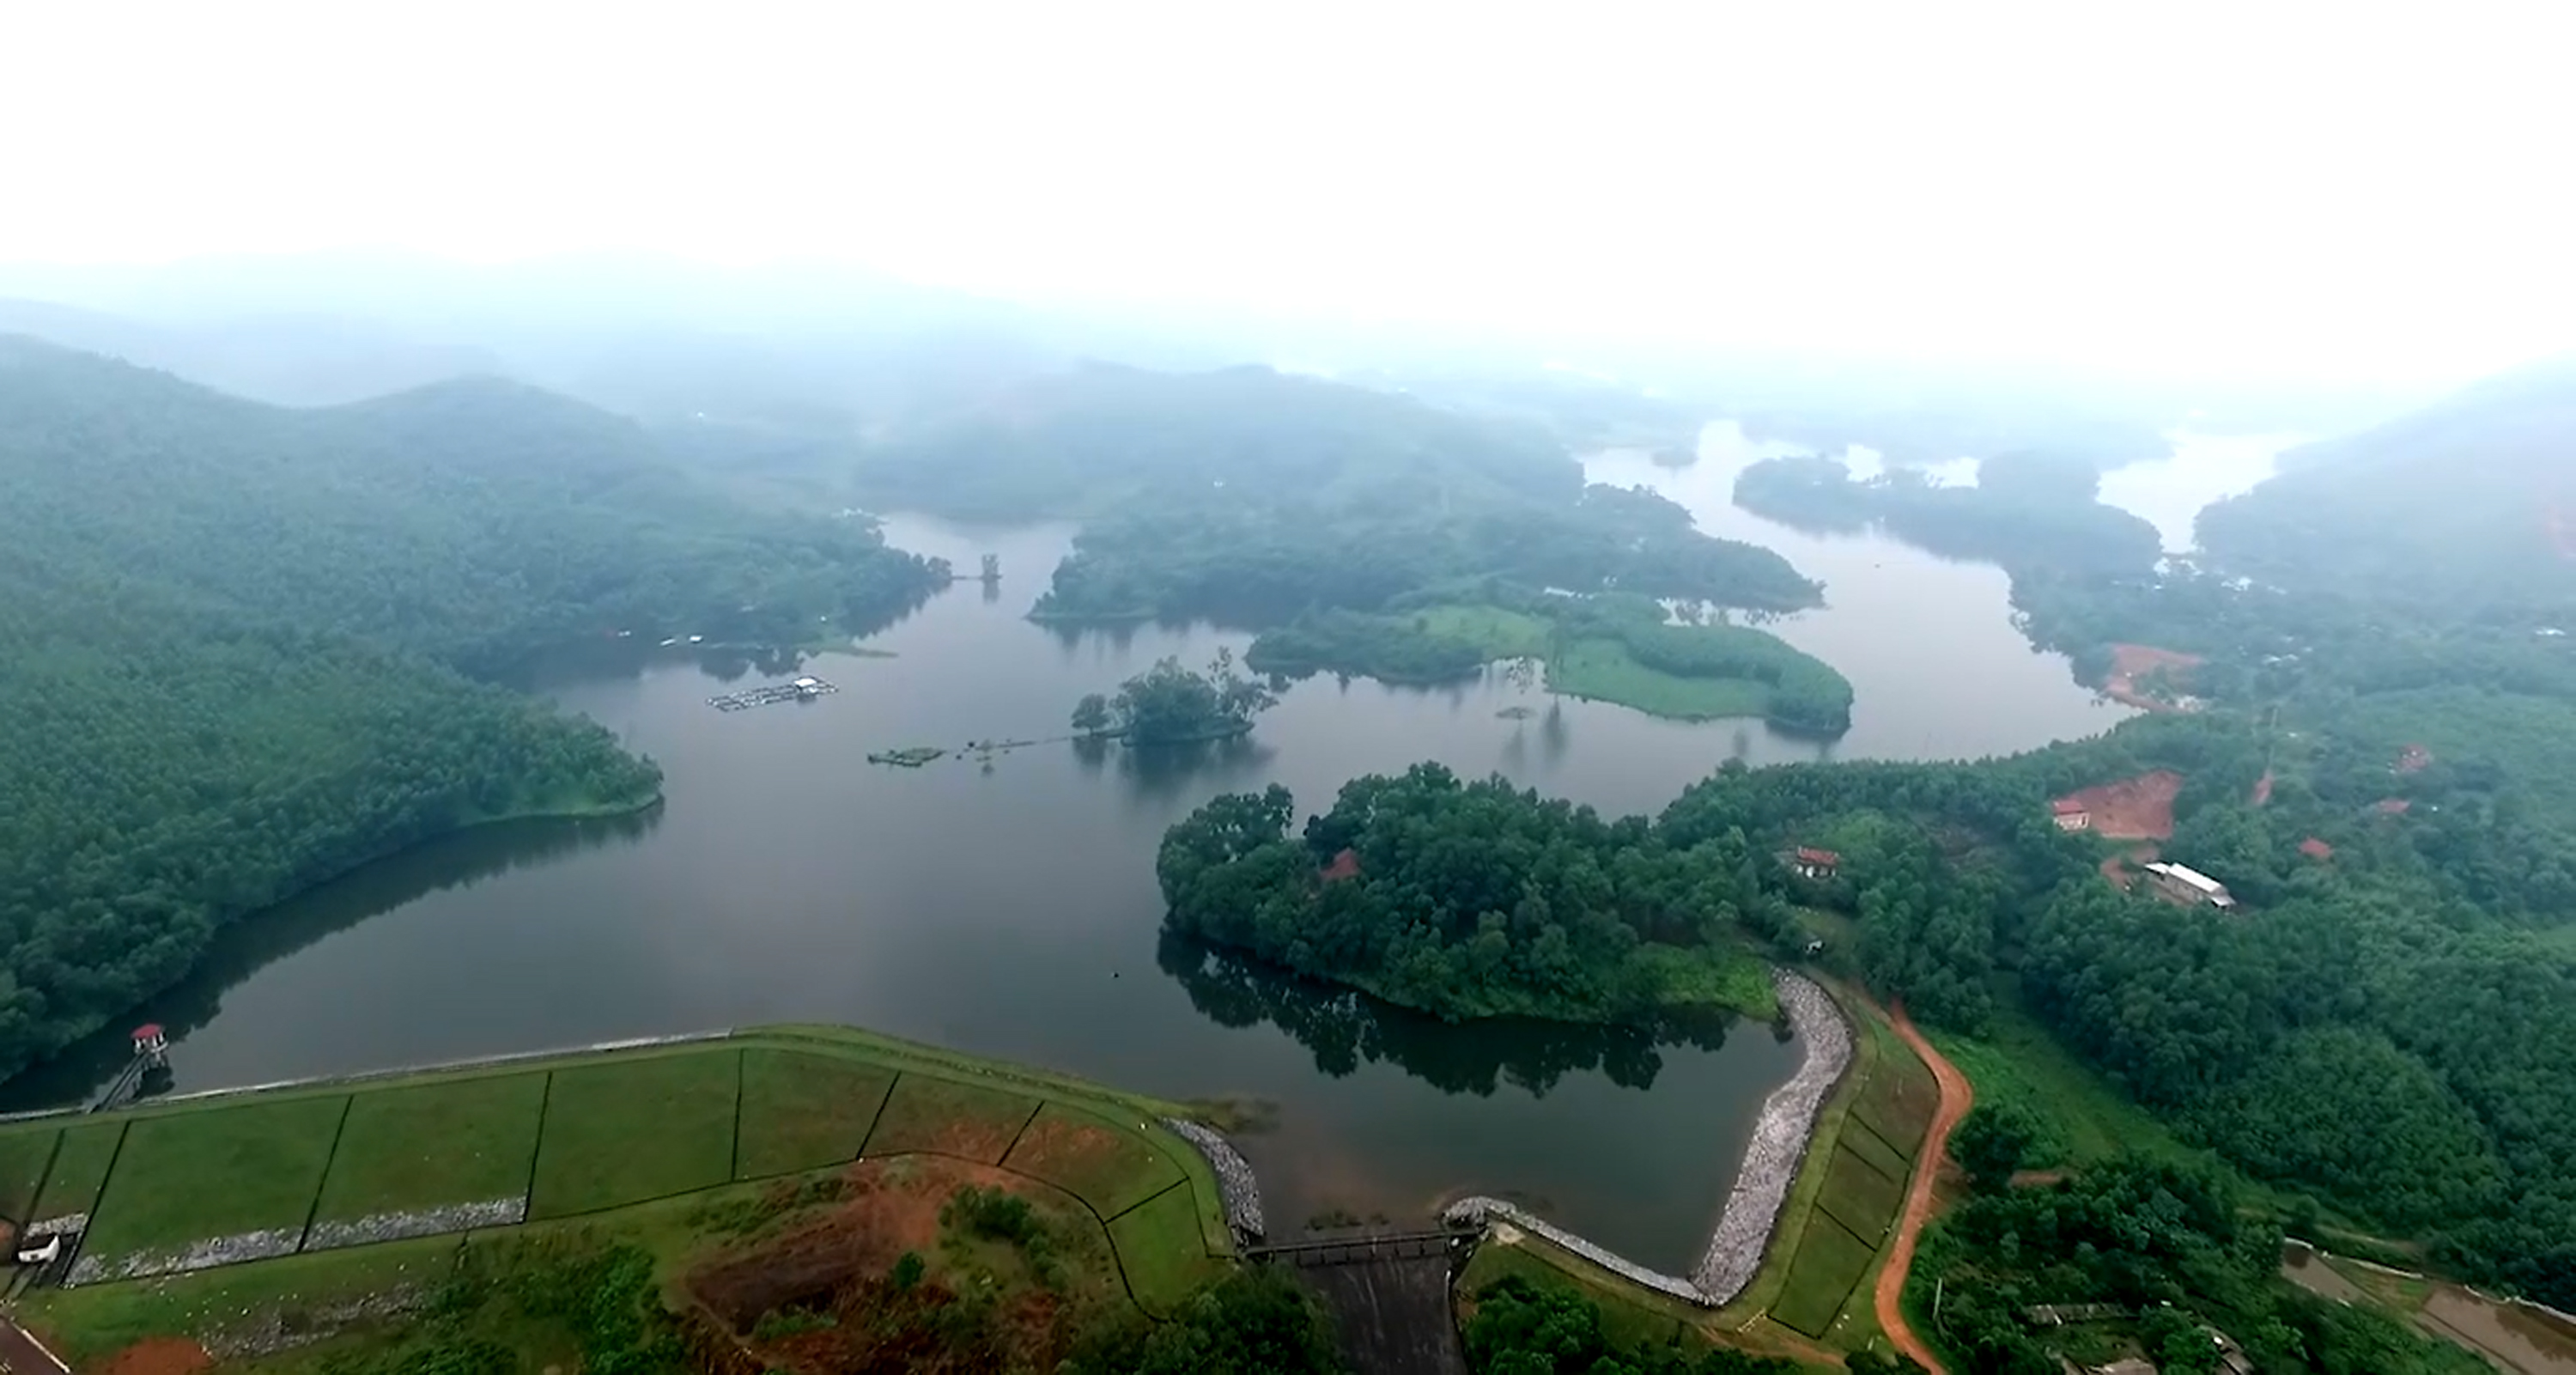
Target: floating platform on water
(802, 690)
(912, 758)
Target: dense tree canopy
(245, 633)
(1522, 1328)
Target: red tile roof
(2067, 806)
(1826, 857)
(1344, 865)
(2314, 848)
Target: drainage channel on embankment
(1762, 1182)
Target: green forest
(1471, 900)
(1251, 497)
(2026, 512)
(259, 647)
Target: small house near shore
(1806, 862)
(2070, 815)
(2189, 886)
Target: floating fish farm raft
(802, 690)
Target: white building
(2189, 886)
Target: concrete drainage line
(1235, 1186)
(1479, 1211)
(1780, 1137)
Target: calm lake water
(1012, 911)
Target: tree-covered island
(1171, 705)
(1370, 534)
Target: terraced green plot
(23, 1158)
(80, 1169)
(1084, 1155)
(1158, 1244)
(628, 1131)
(220, 1173)
(947, 1117)
(802, 1112)
(1828, 1266)
(1861, 1198)
(432, 1145)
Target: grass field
(23, 1159)
(1158, 1246)
(627, 1131)
(1829, 1264)
(801, 1111)
(1499, 633)
(1860, 1197)
(80, 1169)
(970, 1121)
(1603, 670)
(1109, 1169)
(1725, 976)
(2087, 1119)
(633, 1146)
(1861, 1141)
(1898, 1102)
(251, 1167)
(425, 1146)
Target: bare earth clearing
(2139, 808)
(2129, 663)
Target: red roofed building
(1817, 864)
(2394, 806)
(1344, 865)
(2070, 815)
(2414, 759)
(2316, 849)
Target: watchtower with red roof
(151, 1043)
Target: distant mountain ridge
(2471, 499)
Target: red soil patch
(2395, 806)
(891, 1206)
(2129, 663)
(1344, 865)
(159, 1356)
(2139, 808)
(2316, 849)
(2412, 759)
(2263, 789)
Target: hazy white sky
(2380, 188)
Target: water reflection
(241, 950)
(1345, 1029)
(1159, 774)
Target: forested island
(2026, 512)
(1170, 705)
(1612, 646)
(1369, 534)
(261, 646)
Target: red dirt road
(1956, 1097)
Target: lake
(1012, 910)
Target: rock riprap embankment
(1780, 1138)
(1235, 1185)
(1762, 1183)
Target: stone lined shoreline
(1762, 1183)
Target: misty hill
(1083, 440)
(2472, 499)
(1251, 496)
(474, 520)
(242, 637)
(290, 360)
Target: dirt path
(1955, 1098)
(21, 1354)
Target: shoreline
(1741, 1239)
(594, 811)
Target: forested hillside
(1250, 496)
(246, 642)
(2471, 502)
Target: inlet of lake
(1011, 910)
